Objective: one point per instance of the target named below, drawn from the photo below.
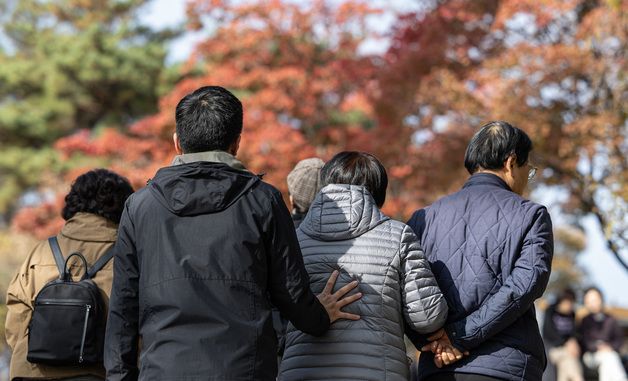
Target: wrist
(454, 333)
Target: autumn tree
(564, 81)
(68, 65)
(296, 69)
(554, 68)
(423, 106)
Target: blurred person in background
(559, 334)
(601, 338)
(92, 211)
(304, 182)
(345, 230)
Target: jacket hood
(341, 212)
(200, 187)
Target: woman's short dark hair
(357, 168)
(491, 146)
(100, 192)
(567, 294)
(208, 119)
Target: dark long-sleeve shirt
(600, 328)
(558, 327)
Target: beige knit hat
(304, 182)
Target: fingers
(448, 357)
(443, 354)
(349, 299)
(329, 286)
(457, 354)
(348, 287)
(438, 361)
(435, 347)
(348, 316)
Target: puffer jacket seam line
(388, 267)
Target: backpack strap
(56, 252)
(100, 263)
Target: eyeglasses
(532, 172)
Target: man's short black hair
(491, 146)
(595, 289)
(100, 192)
(357, 168)
(208, 119)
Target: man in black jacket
(202, 252)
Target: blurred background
(94, 83)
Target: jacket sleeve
(289, 283)
(525, 284)
(617, 336)
(425, 308)
(121, 338)
(19, 307)
(417, 222)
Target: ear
(177, 146)
(510, 164)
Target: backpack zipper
(87, 308)
(61, 302)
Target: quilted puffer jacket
(491, 252)
(344, 230)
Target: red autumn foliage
(552, 67)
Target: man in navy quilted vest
(491, 251)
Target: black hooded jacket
(202, 252)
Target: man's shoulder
(261, 190)
(265, 189)
(495, 198)
(265, 194)
(139, 196)
(508, 206)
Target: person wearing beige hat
(304, 182)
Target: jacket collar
(486, 179)
(212, 156)
(90, 227)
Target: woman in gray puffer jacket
(345, 230)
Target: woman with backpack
(92, 211)
(345, 230)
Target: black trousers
(461, 377)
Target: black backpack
(69, 318)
